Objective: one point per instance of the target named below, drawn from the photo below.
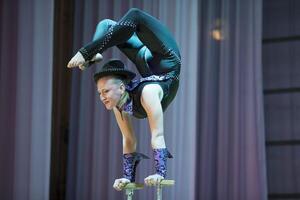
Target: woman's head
(111, 80)
(111, 90)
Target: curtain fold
(26, 95)
(231, 160)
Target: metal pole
(129, 193)
(159, 192)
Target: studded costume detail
(142, 38)
(160, 158)
(108, 40)
(130, 162)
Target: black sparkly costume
(149, 45)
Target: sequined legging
(150, 31)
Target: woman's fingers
(119, 184)
(154, 179)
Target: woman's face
(110, 90)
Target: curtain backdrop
(230, 142)
(25, 98)
(214, 127)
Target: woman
(150, 46)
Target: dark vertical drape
(8, 33)
(231, 154)
(63, 43)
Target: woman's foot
(79, 61)
(97, 58)
(153, 180)
(120, 183)
(76, 60)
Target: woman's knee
(134, 12)
(105, 23)
(102, 27)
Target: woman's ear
(122, 87)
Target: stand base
(159, 187)
(130, 188)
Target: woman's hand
(153, 180)
(120, 183)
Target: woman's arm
(151, 97)
(125, 125)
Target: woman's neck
(123, 100)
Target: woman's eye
(105, 91)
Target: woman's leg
(130, 47)
(149, 30)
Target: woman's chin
(108, 107)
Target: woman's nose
(101, 97)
